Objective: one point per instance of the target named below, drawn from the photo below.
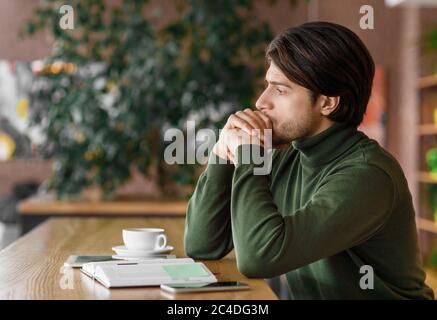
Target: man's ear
(329, 104)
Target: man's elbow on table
(199, 250)
(253, 267)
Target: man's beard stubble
(287, 132)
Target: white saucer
(118, 257)
(123, 251)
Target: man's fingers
(260, 122)
(264, 123)
(251, 120)
(237, 122)
(253, 125)
(267, 121)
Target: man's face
(289, 107)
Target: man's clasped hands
(243, 127)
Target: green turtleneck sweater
(333, 205)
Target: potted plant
(114, 83)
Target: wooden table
(32, 267)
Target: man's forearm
(208, 232)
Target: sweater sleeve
(208, 222)
(348, 207)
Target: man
(334, 204)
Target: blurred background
(87, 91)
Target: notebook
(148, 273)
(76, 261)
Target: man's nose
(263, 104)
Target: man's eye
(279, 90)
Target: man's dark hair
(327, 59)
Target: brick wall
(17, 171)
(38, 170)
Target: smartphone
(202, 287)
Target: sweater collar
(328, 144)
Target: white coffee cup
(144, 238)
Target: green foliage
(432, 259)
(431, 43)
(132, 80)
